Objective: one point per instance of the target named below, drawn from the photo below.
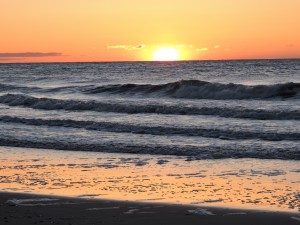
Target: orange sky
(125, 30)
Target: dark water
(200, 109)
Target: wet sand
(257, 184)
(16, 209)
(104, 188)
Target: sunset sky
(133, 30)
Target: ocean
(216, 133)
(197, 109)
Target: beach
(56, 187)
(193, 142)
(36, 209)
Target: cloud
(118, 46)
(202, 49)
(127, 47)
(8, 55)
(217, 46)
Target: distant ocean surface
(198, 109)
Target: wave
(5, 87)
(197, 89)
(154, 130)
(187, 89)
(192, 152)
(10, 87)
(29, 89)
(77, 105)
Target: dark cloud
(140, 46)
(7, 55)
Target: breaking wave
(197, 89)
(196, 152)
(154, 130)
(185, 89)
(130, 108)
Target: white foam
(31, 202)
(131, 211)
(201, 212)
(296, 218)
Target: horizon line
(152, 61)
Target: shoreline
(270, 186)
(24, 208)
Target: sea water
(222, 133)
(197, 109)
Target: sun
(166, 54)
